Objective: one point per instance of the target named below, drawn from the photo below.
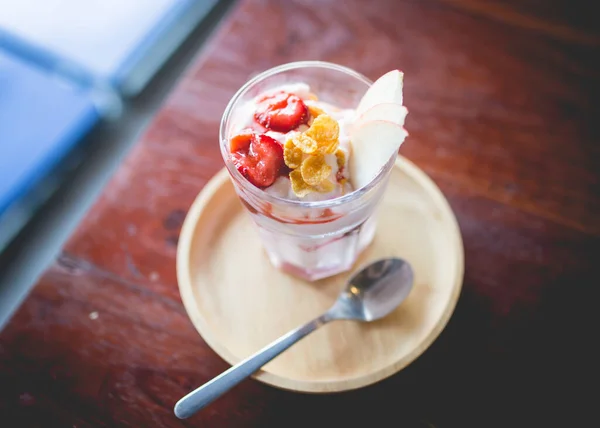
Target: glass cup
(317, 239)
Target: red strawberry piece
(281, 112)
(241, 141)
(257, 127)
(262, 162)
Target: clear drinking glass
(317, 239)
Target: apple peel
(390, 112)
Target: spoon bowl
(375, 291)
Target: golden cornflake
(305, 153)
(292, 155)
(325, 186)
(326, 131)
(314, 170)
(299, 186)
(340, 156)
(305, 143)
(315, 111)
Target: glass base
(317, 257)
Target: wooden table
(504, 116)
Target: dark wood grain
(503, 100)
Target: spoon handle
(210, 391)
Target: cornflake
(325, 131)
(340, 157)
(299, 186)
(315, 111)
(325, 186)
(292, 155)
(315, 170)
(305, 143)
(305, 154)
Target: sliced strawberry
(240, 162)
(257, 127)
(270, 163)
(281, 112)
(241, 141)
(262, 162)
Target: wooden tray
(239, 303)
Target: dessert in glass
(309, 147)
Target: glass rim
(260, 193)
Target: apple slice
(386, 89)
(390, 112)
(373, 144)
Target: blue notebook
(41, 119)
(54, 54)
(117, 43)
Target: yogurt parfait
(309, 147)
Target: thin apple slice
(386, 89)
(390, 112)
(373, 144)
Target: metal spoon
(371, 294)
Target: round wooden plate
(239, 303)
